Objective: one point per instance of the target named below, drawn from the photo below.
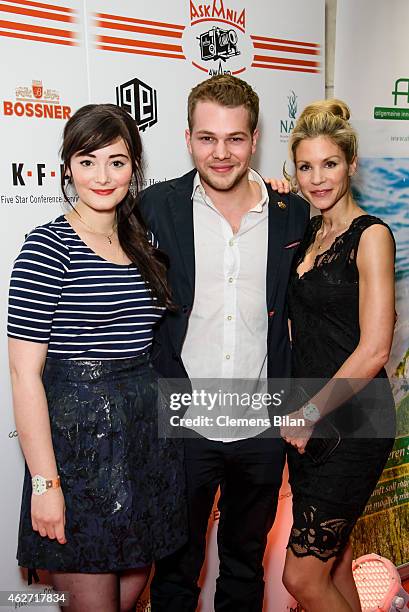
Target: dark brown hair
(226, 90)
(93, 127)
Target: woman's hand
(33, 425)
(297, 436)
(48, 515)
(280, 185)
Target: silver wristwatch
(40, 484)
(311, 413)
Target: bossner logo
(287, 125)
(216, 41)
(36, 101)
(140, 101)
(38, 89)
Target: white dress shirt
(227, 330)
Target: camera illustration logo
(213, 38)
(140, 101)
(218, 44)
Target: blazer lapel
(181, 206)
(277, 223)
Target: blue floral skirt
(124, 487)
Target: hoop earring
(291, 179)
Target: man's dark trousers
(249, 474)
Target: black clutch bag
(323, 442)
(325, 437)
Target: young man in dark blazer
(230, 241)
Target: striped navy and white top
(84, 307)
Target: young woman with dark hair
(103, 495)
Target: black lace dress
(324, 309)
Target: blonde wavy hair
(326, 118)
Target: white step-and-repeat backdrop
(57, 56)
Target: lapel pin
(281, 205)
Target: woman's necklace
(321, 241)
(91, 229)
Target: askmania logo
(400, 108)
(287, 125)
(37, 102)
(216, 40)
(140, 101)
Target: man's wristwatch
(311, 413)
(41, 485)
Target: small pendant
(109, 239)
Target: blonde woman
(341, 303)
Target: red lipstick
(103, 192)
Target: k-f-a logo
(35, 172)
(140, 101)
